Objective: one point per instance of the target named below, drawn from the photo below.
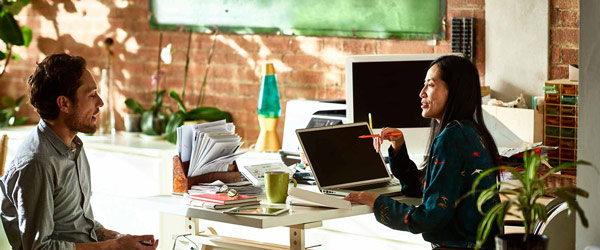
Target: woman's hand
(397, 141)
(365, 198)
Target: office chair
(553, 204)
(559, 227)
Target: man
(45, 192)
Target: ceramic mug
(276, 186)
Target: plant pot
(515, 242)
(159, 125)
(132, 122)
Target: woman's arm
(407, 172)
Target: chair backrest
(560, 228)
(3, 148)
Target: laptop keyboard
(373, 186)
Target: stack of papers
(244, 187)
(209, 147)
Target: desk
(297, 220)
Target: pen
(396, 133)
(370, 122)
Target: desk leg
(297, 234)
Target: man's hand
(137, 242)
(106, 234)
(365, 198)
(125, 241)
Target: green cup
(276, 186)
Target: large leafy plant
(524, 196)
(153, 119)
(10, 32)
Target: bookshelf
(560, 120)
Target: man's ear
(63, 103)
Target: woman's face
(433, 95)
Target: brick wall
(564, 37)
(307, 67)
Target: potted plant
(132, 120)
(525, 196)
(8, 109)
(10, 32)
(153, 120)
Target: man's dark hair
(57, 75)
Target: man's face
(86, 109)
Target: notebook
(342, 163)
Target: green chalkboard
(415, 19)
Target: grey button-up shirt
(46, 192)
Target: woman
(460, 148)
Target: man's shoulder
(32, 152)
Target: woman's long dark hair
(464, 100)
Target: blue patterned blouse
(457, 157)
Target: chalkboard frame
(437, 32)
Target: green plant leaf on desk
(175, 120)
(135, 106)
(208, 114)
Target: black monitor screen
(337, 156)
(390, 92)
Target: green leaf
(19, 100)
(485, 226)
(208, 114)
(7, 102)
(27, 35)
(134, 105)
(9, 29)
(158, 100)
(20, 121)
(147, 123)
(175, 96)
(15, 57)
(16, 6)
(175, 121)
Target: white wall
(516, 47)
(589, 121)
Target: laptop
(342, 163)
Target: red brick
(299, 61)
(249, 89)
(555, 54)
(250, 103)
(221, 87)
(307, 77)
(404, 46)
(565, 4)
(455, 4)
(308, 45)
(480, 53)
(332, 45)
(559, 72)
(275, 44)
(229, 58)
(331, 93)
(570, 56)
(569, 18)
(299, 92)
(359, 46)
(230, 103)
(231, 43)
(554, 17)
(564, 36)
(442, 48)
(476, 3)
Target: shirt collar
(56, 142)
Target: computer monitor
(388, 87)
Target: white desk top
(297, 215)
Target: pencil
(396, 133)
(370, 122)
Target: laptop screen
(337, 156)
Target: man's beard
(76, 122)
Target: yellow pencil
(370, 121)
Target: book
(322, 200)
(215, 206)
(223, 199)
